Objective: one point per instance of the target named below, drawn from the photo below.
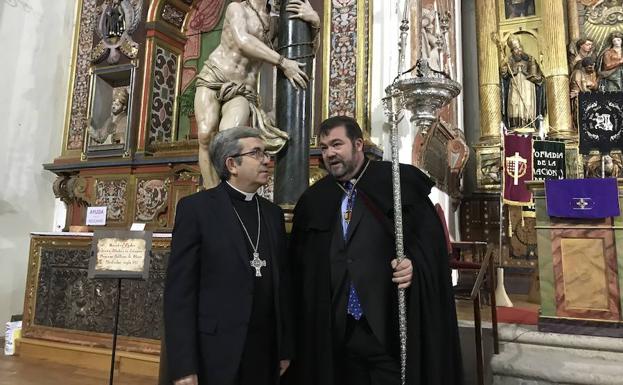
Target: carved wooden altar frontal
(63, 305)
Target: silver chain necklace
(349, 210)
(256, 263)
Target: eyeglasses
(256, 154)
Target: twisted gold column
(556, 71)
(488, 71)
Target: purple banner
(582, 198)
(517, 169)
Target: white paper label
(137, 227)
(96, 216)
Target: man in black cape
(345, 295)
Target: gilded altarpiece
(165, 42)
(500, 25)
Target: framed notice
(120, 254)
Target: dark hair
(353, 131)
(581, 42)
(588, 61)
(226, 144)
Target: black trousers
(366, 361)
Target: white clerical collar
(247, 196)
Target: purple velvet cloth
(582, 198)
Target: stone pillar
(293, 111)
(556, 70)
(572, 20)
(488, 71)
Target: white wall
(35, 38)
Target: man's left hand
(283, 366)
(403, 273)
(304, 11)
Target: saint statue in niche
(114, 21)
(523, 102)
(113, 130)
(518, 8)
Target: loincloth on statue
(212, 77)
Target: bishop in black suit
(226, 306)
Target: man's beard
(348, 167)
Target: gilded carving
(315, 174)
(151, 198)
(113, 195)
(71, 189)
(173, 15)
(118, 20)
(602, 18)
(77, 123)
(267, 191)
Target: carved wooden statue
(113, 130)
(611, 65)
(226, 86)
(523, 101)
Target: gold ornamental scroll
(556, 70)
(488, 71)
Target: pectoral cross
(257, 264)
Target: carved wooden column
(572, 20)
(556, 70)
(488, 71)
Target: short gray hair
(226, 144)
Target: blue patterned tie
(354, 306)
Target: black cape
(434, 356)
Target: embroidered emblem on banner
(603, 121)
(516, 167)
(583, 203)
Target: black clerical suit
(330, 342)
(221, 321)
